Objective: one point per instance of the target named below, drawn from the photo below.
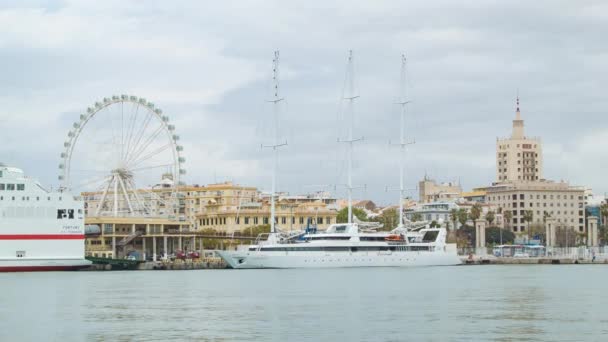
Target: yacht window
(10, 187)
(71, 213)
(20, 187)
(430, 236)
(2, 186)
(340, 229)
(330, 238)
(372, 238)
(61, 214)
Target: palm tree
(454, 216)
(528, 217)
(546, 215)
(508, 215)
(604, 212)
(475, 212)
(490, 216)
(462, 216)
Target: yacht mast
(275, 132)
(402, 143)
(350, 97)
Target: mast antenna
(275, 130)
(403, 101)
(350, 98)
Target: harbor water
(464, 303)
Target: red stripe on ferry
(42, 237)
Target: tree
(537, 230)
(465, 236)
(565, 237)
(434, 224)
(255, 230)
(475, 213)
(454, 216)
(389, 219)
(343, 215)
(462, 216)
(490, 217)
(604, 213)
(416, 217)
(546, 215)
(528, 217)
(493, 236)
(508, 216)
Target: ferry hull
(43, 265)
(256, 259)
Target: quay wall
(202, 264)
(531, 261)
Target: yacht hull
(261, 259)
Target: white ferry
(344, 245)
(40, 230)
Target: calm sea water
(467, 303)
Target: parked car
(193, 255)
(180, 255)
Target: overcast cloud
(208, 64)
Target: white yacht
(40, 230)
(346, 245)
(352, 244)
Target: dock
(491, 260)
(108, 264)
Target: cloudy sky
(208, 65)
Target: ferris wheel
(124, 156)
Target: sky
(208, 66)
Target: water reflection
(541, 303)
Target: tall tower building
(519, 158)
